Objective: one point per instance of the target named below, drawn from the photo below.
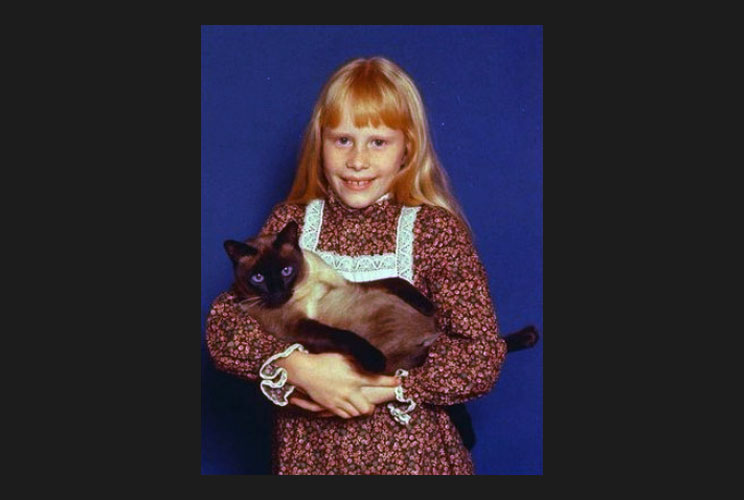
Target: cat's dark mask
(267, 267)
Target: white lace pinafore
(364, 267)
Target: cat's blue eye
(257, 278)
(287, 271)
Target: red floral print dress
(463, 364)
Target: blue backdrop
(482, 87)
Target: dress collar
(336, 204)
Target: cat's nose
(277, 299)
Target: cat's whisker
(250, 301)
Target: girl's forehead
(360, 112)
(347, 124)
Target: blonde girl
(373, 201)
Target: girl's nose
(357, 160)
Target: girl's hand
(332, 382)
(377, 395)
(374, 394)
(302, 400)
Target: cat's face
(267, 268)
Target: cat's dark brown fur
(383, 325)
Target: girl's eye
(378, 142)
(287, 271)
(343, 141)
(257, 278)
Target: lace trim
(364, 267)
(274, 377)
(404, 248)
(403, 417)
(311, 226)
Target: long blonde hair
(378, 91)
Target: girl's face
(360, 163)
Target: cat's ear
(235, 250)
(287, 235)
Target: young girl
(372, 200)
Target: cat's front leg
(318, 338)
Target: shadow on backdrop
(236, 424)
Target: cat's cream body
(397, 329)
(321, 284)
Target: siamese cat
(382, 325)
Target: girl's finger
(349, 408)
(340, 413)
(361, 404)
(381, 380)
(305, 404)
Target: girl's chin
(357, 200)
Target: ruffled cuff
(274, 378)
(401, 413)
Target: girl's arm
(235, 340)
(238, 345)
(465, 362)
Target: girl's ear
(405, 156)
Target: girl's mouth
(357, 185)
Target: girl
(371, 198)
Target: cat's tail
(523, 339)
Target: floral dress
(432, 249)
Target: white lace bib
(364, 267)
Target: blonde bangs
(370, 97)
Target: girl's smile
(360, 163)
(357, 184)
